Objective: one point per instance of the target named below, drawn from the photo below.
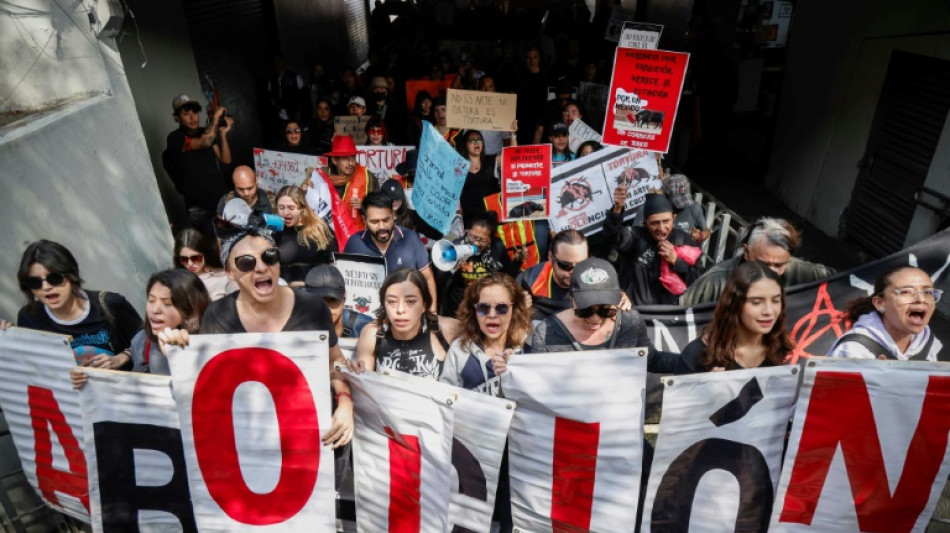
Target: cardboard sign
(618, 17)
(578, 132)
(640, 35)
(479, 110)
(352, 125)
(525, 182)
(644, 95)
(440, 175)
(381, 161)
(278, 169)
(435, 88)
(363, 275)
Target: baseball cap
(394, 190)
(559, 128)
(358, 100)
(182, 100)
(325, 281)
(594, 282)
(677, 188)
(379, 82)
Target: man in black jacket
(644, 249)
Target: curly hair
(429, 319)
(722, 333)
(518, 329)
(313, 230)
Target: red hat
(343, 146)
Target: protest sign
(575, 449)
(253, 408)
(618, 16)
(381, 161)
(480, 110)
(278, 169)
(578, 132)
(583, 190)
(593, 99)
(42, 410)
(402, 453)
(352, 125)
(435, 88)
(731, 426)
(137, 474)
(440, 175)
(644, 94)
(640, 35)
(363, 275)
(867, 449)
(525, 182)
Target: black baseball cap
(325, 281)
(594, 282)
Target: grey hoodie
(469, 367)
(870, 325)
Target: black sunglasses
(185, 259)
(292, 130)
(246, 263)
(500, 309)
(55, 279)
(602, 312)
(563, 265)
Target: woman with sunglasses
(748, 326)
(406, 336)
(306, 240)
(296, 140)
(376, 134)
(252, 259)
(194, 253)
(893, 323)
(101, 324)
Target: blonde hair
(314, 231)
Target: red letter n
(45, 413)
(840, 413)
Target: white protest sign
(363, 276)
(868, 447)
(137, 474)
(719, 449)
(640, 35)
(575, 448)
(381, 161)
(253, 408)
(480, 110)
(42, 410)
(402, 453)
(578, 132)
(278, 169)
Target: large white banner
(480, 431)
(576, 441)
(137, 474)
(252, 409)
(402, 453)
(42, 410)
(868, 447)
(719, 452)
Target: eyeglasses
(475, 141)
(185, 259)
(563, 265)
(55, 279)
(292, 130)
(602, 312)
(500, 309)
(246, 263)
(908, 295)
(475, 239)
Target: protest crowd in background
(355, 245)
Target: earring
(880, 309)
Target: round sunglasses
(55, 279)
(500, 309)
(246, 263)
(185, 259)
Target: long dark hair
(518, 329)
(429, 319)
(189, 296)
(862, 306)
(721, 334)
(463, 148)
(192, 238)
(55, 258)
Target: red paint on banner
(405, 479)
(840, 415)
(574, 469)
(807, 330)
(45, 414)
(215, 446)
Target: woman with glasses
(491, 257)
(194, 253)
(101, 324)
(893, 323)
(296, 140)
(748, 326)
(406, 336)
(306, 240)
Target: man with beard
(772, 242)
(657, 261)
(383, 238)
(351, 180)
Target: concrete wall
(837, 61)
(77, 173)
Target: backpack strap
(574, 343)
(877, 349)
(349, 320)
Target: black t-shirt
(478, 185)
(296, 259)
(691, 359)
(95, 333)
(196, 174)
(310, 313)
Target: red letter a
(840, 413)
(45, 413)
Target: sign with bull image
(644, 94)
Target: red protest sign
(526, 182)
(644, 94)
